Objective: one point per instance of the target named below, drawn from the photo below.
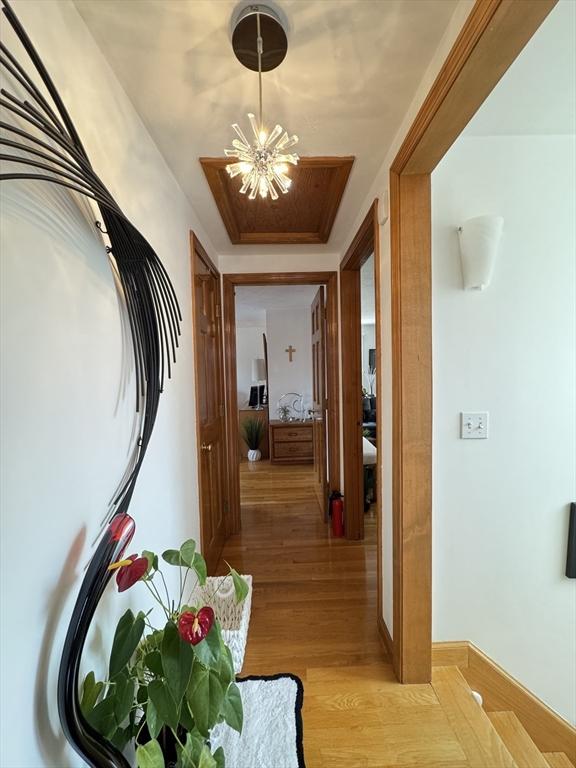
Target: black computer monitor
(371, 360)
(256, 398)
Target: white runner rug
(272, 733)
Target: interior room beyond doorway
(275, 388)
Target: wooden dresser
(291, 442)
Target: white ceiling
(350, 74)
(252, 301)
(537, 95)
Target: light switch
(474, 426)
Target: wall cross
(290, 351)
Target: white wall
(501, 505)
(64, 431)
(281, 259)
(285, 327)
(249, 345)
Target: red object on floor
(337, 514)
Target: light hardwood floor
(314, 614)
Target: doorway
(210, 422)
(365, 245)
(275, 378)
(492, 37)
(281, 445)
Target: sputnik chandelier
(263, 164)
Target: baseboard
(385, 637)
(450, 654)
(501, 693)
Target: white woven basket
(234, 618)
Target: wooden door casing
(494, 33)
(318, 318)
(210, 424)
(229, 283)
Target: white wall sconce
(383, 207)
(479, 240)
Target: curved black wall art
(39, 142)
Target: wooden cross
(290, 351)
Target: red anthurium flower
(193, 627)
(130, 571)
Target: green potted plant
(252, 433)
(167, 686)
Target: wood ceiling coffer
(304, 216)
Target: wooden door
(210, 429)
(319, 398)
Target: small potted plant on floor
(167, 685)
(252, 433)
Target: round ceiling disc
(244, 36)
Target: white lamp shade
(479, 241)
(258, 369)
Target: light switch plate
(474, 425)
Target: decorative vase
(254, 455)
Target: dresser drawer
(292, 434)
(301, 450)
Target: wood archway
(494, 34)
(229, 283)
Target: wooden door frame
(365, 243)
(229, 283)
(492, 37)
(196, 246)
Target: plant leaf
(191, 751)
(226, 665)
(208, 651)
(153, 661)
(153, 720)
(172, 557)
(150, 755)
(102, 717)
(160, 696)
(186, 719)
(219, 758)
(177, 658)
(126, 639)
(187, 551)
(124, 697)
(152, 561)
(206, 758)
(122, 737)
(199, 565)
(241, 587)
(90, 692)
(205, 697)
(232, 708)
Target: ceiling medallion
(263, 164)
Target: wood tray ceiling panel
(304, 216)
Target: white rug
(272, 733)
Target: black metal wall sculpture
(44, 146)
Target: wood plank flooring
(314, 602)
(314, 614)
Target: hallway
(314, 614)
(309, 591)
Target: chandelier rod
(259, 48)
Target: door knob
(206, 446)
